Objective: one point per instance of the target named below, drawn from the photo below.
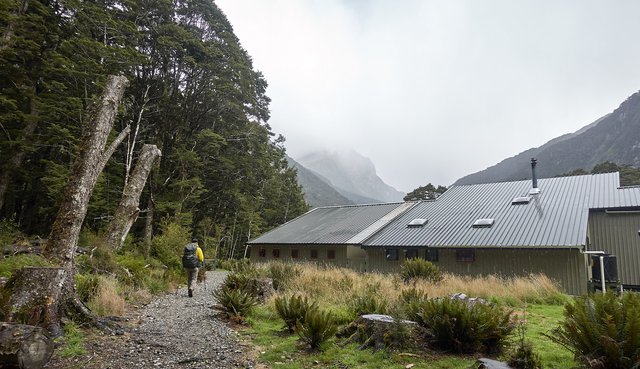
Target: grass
(334, 288)
(10, 264)
(72, 341)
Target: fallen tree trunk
(24, 346)
(128, 211)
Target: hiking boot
(190, 293)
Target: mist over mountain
(615, 137)
(351, 174)
(317, 190)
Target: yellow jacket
(199, 254)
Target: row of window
(295, 253)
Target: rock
(24, 346)
(484, 363)
(374, 330)
(263, 288)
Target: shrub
(602, 330)
(235, 303)
(293, 310)
(368, 304)
(168, 247)
(282, 274)
(318, 327)
(414, 269)
(86, 286)
(460, 326)
(240, 266)
(410, 302)
(523, 356)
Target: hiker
(192, 258)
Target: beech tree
(41, 296)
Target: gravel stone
(174, 331)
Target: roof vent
(521, 200)
(417, 223)
(483, 223)
(534, 178)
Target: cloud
(434, 90)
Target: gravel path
(174, 331)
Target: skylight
(521, 200)
(483, 223)
(417, 223)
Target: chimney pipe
(534, 178)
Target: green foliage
(602, 330)
(459, 326)
(235, 303)
(293, 310)
(362, 304)
(428, 192)
(239, 266)
(410, 302)
(282, 273)
(169, 246)
(523, 356)
(8, 233)
(87, 286)
(414, 269)
(10, 264)
(629, 175)
(318, 327)
(72, 341)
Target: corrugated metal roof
(557, 217)
(331, 225)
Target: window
(276, 253)
(431, 254)
(483, 223)
(314, 254)
(391, 254)
(331, 254)
(465, 256)
(417, 223)
(262, 253)
(411, 254)
(294, 254)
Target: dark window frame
(411, 254)
(313, 254)
(465, 255)
(275, 253)
(432, 254)
(331, 254)
(262, 253)
(392, 254)
(295, 253)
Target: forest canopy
(193, 92)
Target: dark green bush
(414, 269)
(293, 310)
(602, 330)
(368, 304)
(318, 327)
(522, 355)
(236, 304)
(87, 286)
(283, 273)
(410, 302)
(463, 327)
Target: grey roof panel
(557, 217)
(329, 225)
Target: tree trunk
(91, 160)
(148, 227)
(24, 346)
(128, 211)
(41, 296)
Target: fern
(293, 310)
(236, 304)
(602, 330)
(414, 269)
(318, 327)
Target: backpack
(189, 257)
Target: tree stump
(379, 331)
(262, 288)
(24, 346)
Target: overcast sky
(434, 90)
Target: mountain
(615, 137)
(351, 174)
(317, 190)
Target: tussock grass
(333, 286)
(107, 301)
